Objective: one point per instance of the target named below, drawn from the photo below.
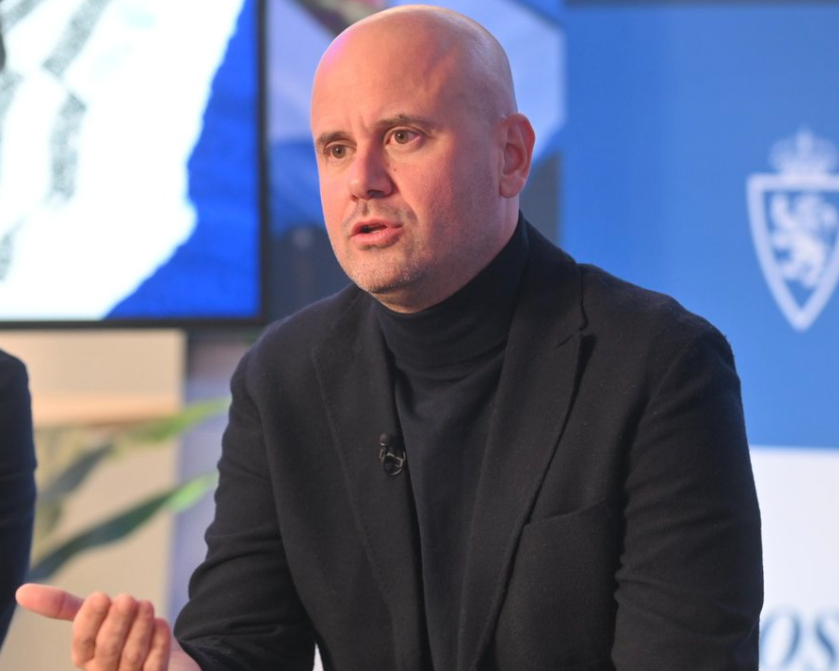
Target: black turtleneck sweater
(447, 362)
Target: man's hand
(120, 634)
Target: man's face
(408, 169)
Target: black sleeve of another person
(17, 483)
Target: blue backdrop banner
(702, 161)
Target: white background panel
(797, 488)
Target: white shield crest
(794, 216)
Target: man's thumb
(49, 601)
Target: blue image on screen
(215, 274)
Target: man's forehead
(385, 111)
(379, 89)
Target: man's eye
(403, 136)
(337, 151)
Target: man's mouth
(367, 228)
(374, 233)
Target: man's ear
(518, 139)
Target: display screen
(130, 175)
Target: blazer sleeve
(243, 611)
(17, 483)
(690, 582)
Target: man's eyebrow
(325, 138)
(406, 119)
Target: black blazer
(17, 483)
(616, 524)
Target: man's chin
(382, 282)
(383, 291)
(400, 294)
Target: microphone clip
(392, 454)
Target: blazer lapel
(535, 391)
(357, 390)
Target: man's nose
(369, 176)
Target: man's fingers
(49, 601)
(158, 659)
(138, 641)
(86, 627)
(113, 631)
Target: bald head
(435, 45)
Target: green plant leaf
(176, 499)
(47, 517)
(189, 493)
(167, 428)
(156, 431)
(74, 475)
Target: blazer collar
(537, 385)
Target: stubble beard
(381, 272)
(383, 277)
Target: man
(17, 483)
(482, 455)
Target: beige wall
(81, 377)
